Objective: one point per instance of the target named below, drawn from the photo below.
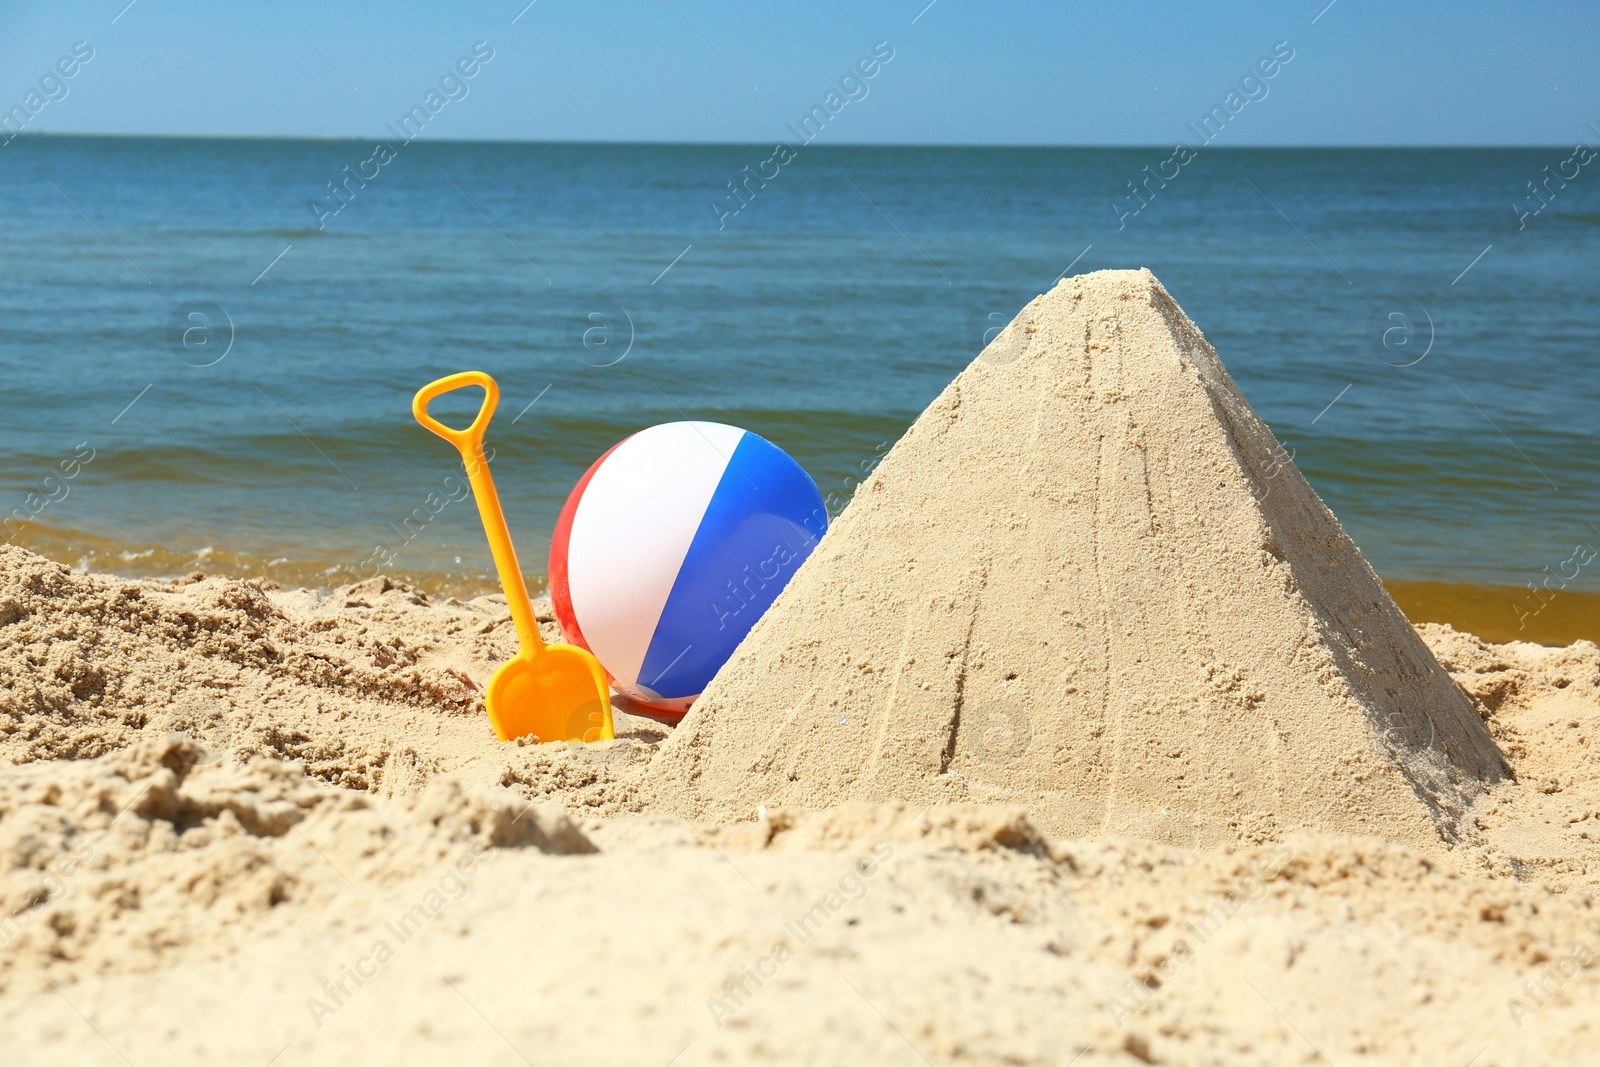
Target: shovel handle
(469, 442)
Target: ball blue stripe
(763, 521)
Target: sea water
(210, 345)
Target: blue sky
(1460, 72)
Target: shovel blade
(557, 694)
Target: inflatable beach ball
(671, 547)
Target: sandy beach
(347, 873)
(1128, 757)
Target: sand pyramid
(1089, 581)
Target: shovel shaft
(469, 442)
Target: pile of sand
(1086, 598)
(375, 687)
(1543, 707)
(1089, 580)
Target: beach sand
(247, 824)
(342, 872)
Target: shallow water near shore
(1434, 399)
(1540, 613)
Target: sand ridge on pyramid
(1089, 580)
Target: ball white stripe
(633, 528)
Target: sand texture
(1083, 738)
(168, 909)
(1089, 580)
(374, 688)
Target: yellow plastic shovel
(553, 692)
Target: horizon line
(363, 139)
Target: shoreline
(1494, 612)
